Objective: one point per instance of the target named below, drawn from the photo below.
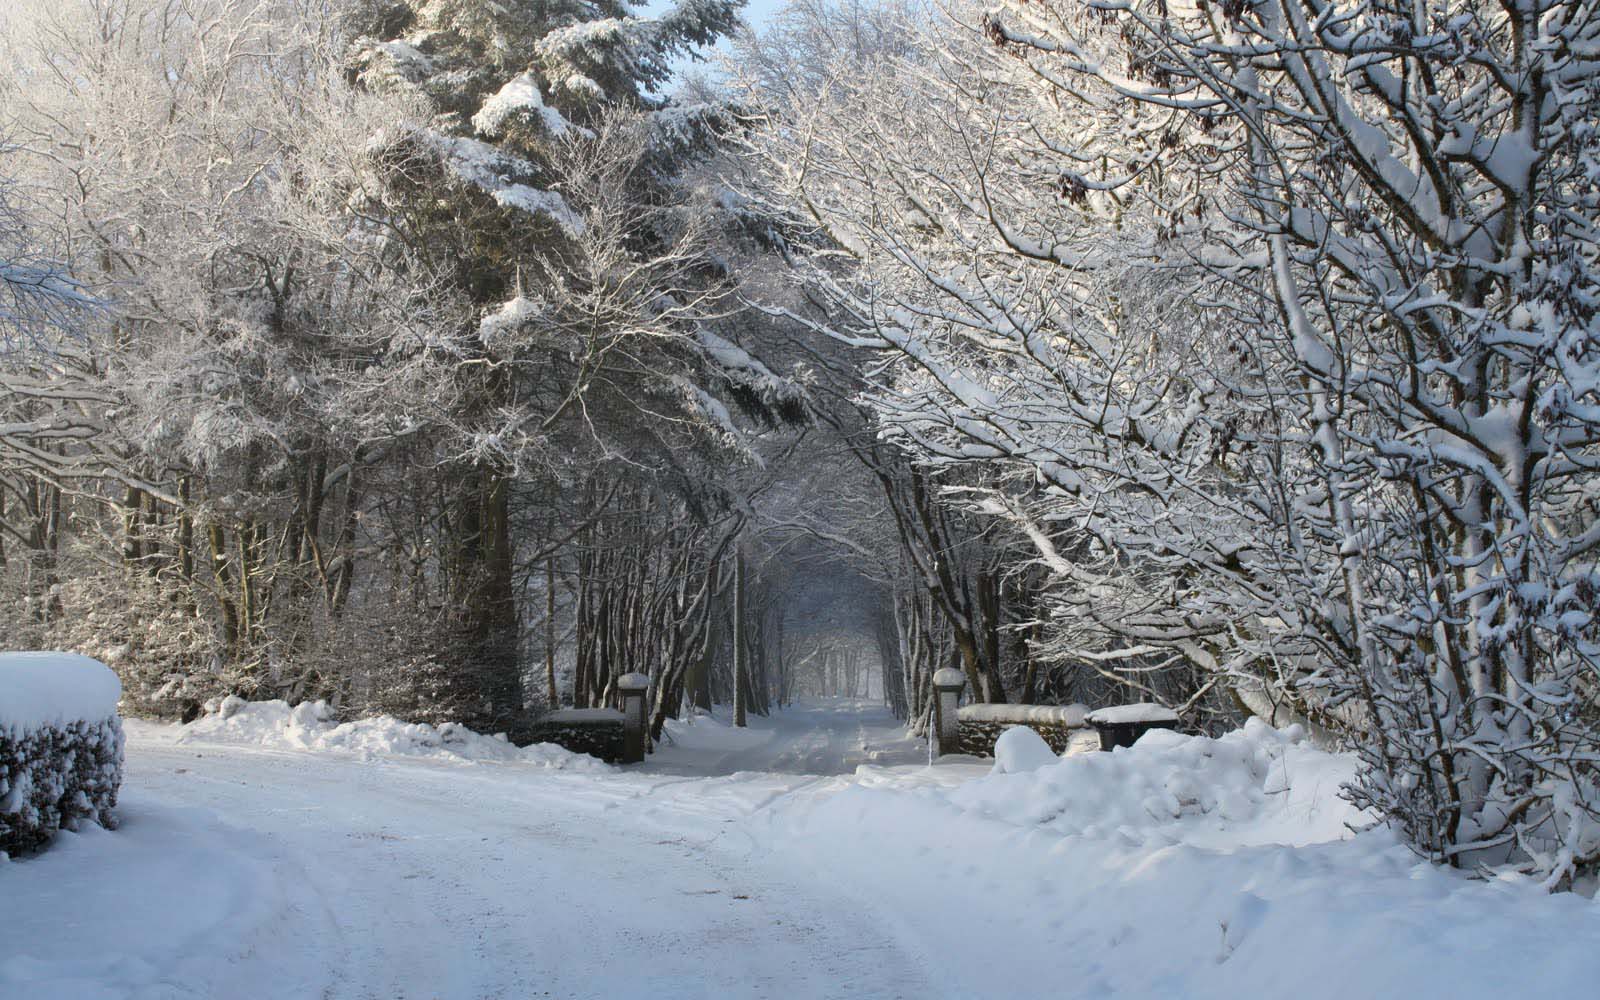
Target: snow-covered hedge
(60, 746)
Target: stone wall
(597, 732)
(978, 726)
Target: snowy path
(338, 877)
(249, 873)
(819, 738)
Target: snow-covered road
(816, 738)
(814, 855)
(251, 873)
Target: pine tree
(543, 177)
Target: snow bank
(1020, 750)
(311, 725)
(49, 689)
(1254, 785)
(1206, 869)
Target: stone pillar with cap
(947, 685)
(635, 690)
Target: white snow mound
(311, 725)
(1020, 750)
(1256, 785)
(50, 689)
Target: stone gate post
(947, 685)
(634, 689)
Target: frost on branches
(365, 378)
(1281, 317)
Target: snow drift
(1182, 866)
(312, 725)
(1254, 785)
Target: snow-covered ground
(818, 738)
(815, 855)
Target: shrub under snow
(60, 746)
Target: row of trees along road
(420, 355)
(1271, 326)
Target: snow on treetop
(408, 56)
(589, 38)
(536, 201)
(508, 318)
(1143, 712)
(494, 172)
(736, 359)
(520, 94)
(47, 689)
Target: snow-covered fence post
(633, 688)
(947, 685)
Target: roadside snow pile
(60, 746)
(312, 725)
(1020, 750)
(1257, 785)
(1206, 869)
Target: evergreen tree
(544, 178)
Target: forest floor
(814, 855)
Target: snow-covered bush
(60, 746)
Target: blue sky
(756, 12)
(759, 10)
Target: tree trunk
(741, 680)
(551, 693)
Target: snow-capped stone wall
(980, 726)
(598, 732)
(60, 746)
